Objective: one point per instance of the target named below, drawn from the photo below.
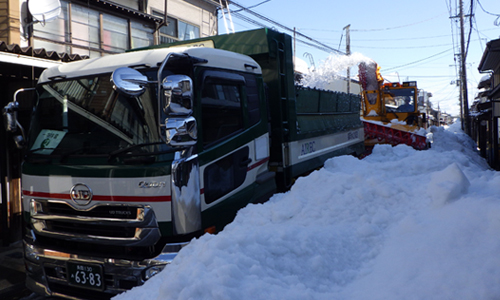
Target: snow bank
(399, 224)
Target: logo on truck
(81, 194)
(152, 184)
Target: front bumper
(47, 273)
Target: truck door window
(252, 92)
(225, 175)
(222, 113)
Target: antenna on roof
(42, 11)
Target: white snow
(399, 224)
(332, 69)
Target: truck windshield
(400, 99)
(86, 116)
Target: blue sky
(410, 39)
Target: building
(485, 112)
(36, 34)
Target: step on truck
(130, 156)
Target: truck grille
(90, 230)
(103, 224)
(106, 211)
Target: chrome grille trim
(102, 223)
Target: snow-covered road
(399, 224)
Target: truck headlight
(152, 271)
(35, 207)
(29, 252)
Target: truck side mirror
(11, 123)
(181, 132)
(181, 128)
(10, 116)
(178, 95)
(129, 81)
(10, 119)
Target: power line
(311, 42)
(379, 29)
(398, 27)
(497, 21)
(417, 61)
(400, 39)
(408, 47)
(396, 39)
(259, 24)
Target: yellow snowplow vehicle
(390, 110)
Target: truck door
(228, 144)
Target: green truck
(131, 156)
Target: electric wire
(379, 29)
(497, 21)
(311, 41)
(398, 27)
(258, 4)
(406, 47)
(417, 61)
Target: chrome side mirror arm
(10, 119)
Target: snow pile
(399, 224)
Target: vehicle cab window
(221, 105)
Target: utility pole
(463, 75)
(348, 52)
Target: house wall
(9, 21)
(200, 13)
(196, 12)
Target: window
(253, 105)
(230, 102)
(176, 30)
(114, 37)
(84, 27)
(188, 31)
(142, 36)
(91, 32)
(168, 32)
(222, 113)
(225, 175)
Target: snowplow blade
(388, 134)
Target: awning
(18, 59)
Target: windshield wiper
(32, 151)
(115, 153)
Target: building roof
(39, 53)
(491, 56)
(111, 5)
(485, 82)
(114, 6)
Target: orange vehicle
(390, 110)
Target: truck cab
(130, 156)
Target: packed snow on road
(398, 224)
